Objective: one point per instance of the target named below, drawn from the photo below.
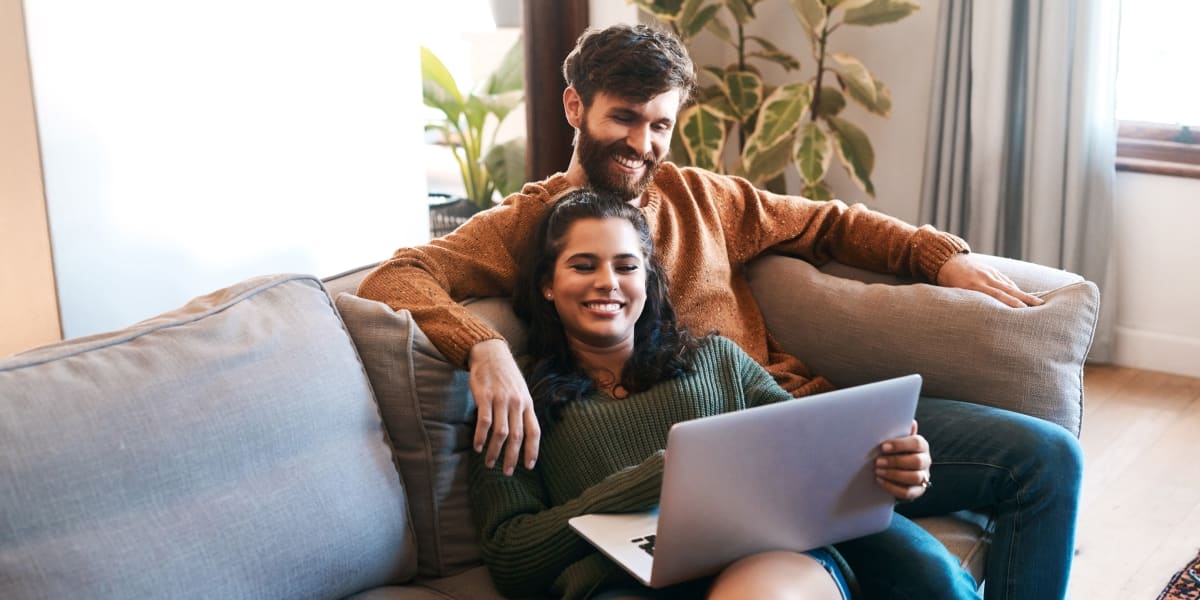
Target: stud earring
(549, 296)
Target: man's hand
(963, 271)
(903, 466)
(504, 406)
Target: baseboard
(1157, 352)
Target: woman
(610, 371)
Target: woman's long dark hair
(662, 349)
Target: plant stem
(816, 103)
(741, 54)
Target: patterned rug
(1185, 585)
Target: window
(1158, 94)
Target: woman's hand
(903, 466)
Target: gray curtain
(1021, 144)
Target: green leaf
(812, 15)
(703, 133)
(780, 114)
(855, 152)
(831, 103)
(883, 99)
(679, 154)
(502, 104)
(438, 86)
(476, 113)
(814, 152)
(762, 163)
(818, 191)
(694, 17)
(716, 73)
(721, 106)
(744, 90)
(506, 164)
(879, 12)
(509, 75)
(855, 78)
(846, 4)
(742, 10)
(772, 53)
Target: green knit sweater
(601, 455)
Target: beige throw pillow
(966, 346)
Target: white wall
(1158, 326)
(1158, 271)
(187, 145)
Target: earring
(549, 296)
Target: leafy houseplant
(797, 123)
(466, 128)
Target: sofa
(283, 438)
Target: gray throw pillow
(429, 412)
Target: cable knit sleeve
(527, 544)
(758, 221)
(477, 260)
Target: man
(625, 86)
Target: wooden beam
(551, 28)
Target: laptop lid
(795, 475)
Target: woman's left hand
(903, 466)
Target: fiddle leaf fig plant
(471, 120)
(776, 125)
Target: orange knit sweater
(706, 228)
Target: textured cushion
(966, 346)
(427, 406)
(231, 448)
(472, 584)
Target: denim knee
(1059, 453)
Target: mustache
(620, 149)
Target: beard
(597, 162)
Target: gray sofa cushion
(967, 346)
(228, 449)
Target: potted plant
(794, 123)
(469, 122)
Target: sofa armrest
(852, 327)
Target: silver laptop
(795, 475)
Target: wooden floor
(1140, 508)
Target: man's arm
(754, 222)
(758, 221)
(477, 260)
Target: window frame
(1158, 148)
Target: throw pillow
(966, 345)
(429, 414)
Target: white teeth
(610, 307)
(628, 162)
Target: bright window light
(1156, 76)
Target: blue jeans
(1023, 470)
